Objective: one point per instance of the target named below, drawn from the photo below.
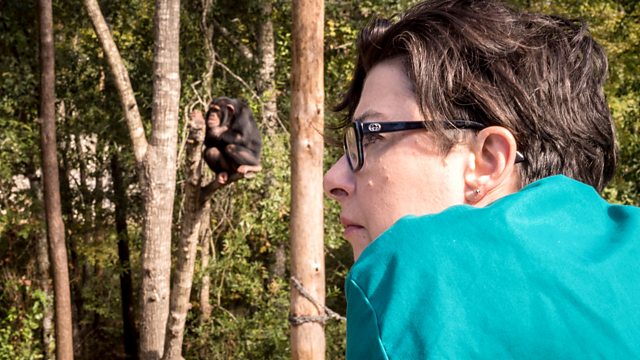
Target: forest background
(240, 296)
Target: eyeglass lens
(351, 146)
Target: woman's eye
(369, 139)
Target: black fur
(235, 141)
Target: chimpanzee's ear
(231, 108)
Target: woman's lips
(350, 228)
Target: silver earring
(476, 191)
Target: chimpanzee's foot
(222, 178)
(249, 171)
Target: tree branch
(208, 190)
(254, 95)
(121, 76)
(244, 50)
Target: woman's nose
(338, 181)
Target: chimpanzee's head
(221, 111)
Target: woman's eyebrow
(368, 114)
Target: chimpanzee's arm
(242, 128)
(242, 155)
(232, 136)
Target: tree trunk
(121, 77)
(160, 180)
(156, 162)
(205, 223)
(55, 226)
(43, 265)
(81, 267)
(266, 82)
(130, 336)
(99, 341)
(205, 253)
(188, 243)
(69, 214)
(307, 112)
(267, 92)
(207, 29)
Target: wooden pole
(307, 122)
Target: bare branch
(254, 95)
(121, 76)
(244, 50)
(213, 186)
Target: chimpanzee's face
(221, 112)
(213, 116)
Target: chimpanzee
(232, 140)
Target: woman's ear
(491, 171)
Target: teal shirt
(550, 272)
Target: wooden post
(307, 122)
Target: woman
(477, 138)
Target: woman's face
(404, 172)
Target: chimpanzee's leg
(247, 161)
(242, 155)
(218, 164)
(213, 156)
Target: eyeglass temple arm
(377, 127)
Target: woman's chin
(359, 239)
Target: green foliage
(343, 22)
(20, 325)
(250, 303)
(616, 26)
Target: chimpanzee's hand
(219, 130)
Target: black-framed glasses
(354, 134)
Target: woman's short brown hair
(537, 75)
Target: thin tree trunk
(205, 251)
(267, 92)
(55, 226)
(121, 77)
(130, 336)
(188, 243)
(205, 222)
(307, 112)
(160, 171)
(266, 82)
(207, 29)
(69, 214)
(98, 280)
(43, 266)
(83, 341)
